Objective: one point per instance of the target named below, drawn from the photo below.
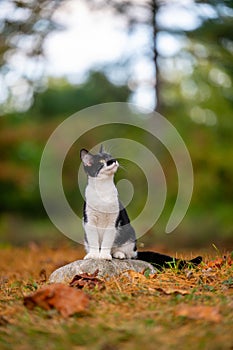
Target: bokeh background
(58, 57)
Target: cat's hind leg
(125, 251)
(119, 255)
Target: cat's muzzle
(111, 161)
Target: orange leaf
(216, 263)
(88, 280)
(66, 300)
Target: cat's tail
(160, 261)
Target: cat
(108, 232)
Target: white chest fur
(102, 211)
(102, 205)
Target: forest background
(191, 85)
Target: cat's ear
(86, 157)
(101, 149)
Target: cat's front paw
(119, 255)
(105, 256)
(92, 256)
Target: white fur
(102, 209)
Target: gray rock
(106, 268)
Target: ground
(173, 309)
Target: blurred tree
(22, 142)
(136, 14)
(202, 71)
(63, 99)
(24, 26)
(197, 97)
(212, 22)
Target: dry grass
(190, 309)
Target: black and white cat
(108, 232)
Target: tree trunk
(156, 83)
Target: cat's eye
(102, 161)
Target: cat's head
(98, 165)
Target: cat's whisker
(107, 149)
(122, 167)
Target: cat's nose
(111, 161)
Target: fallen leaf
(201, 312)
(219, 262)
(65, 299)
(87, 280)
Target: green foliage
(197, 97)
(23, 136)
(63, 99)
